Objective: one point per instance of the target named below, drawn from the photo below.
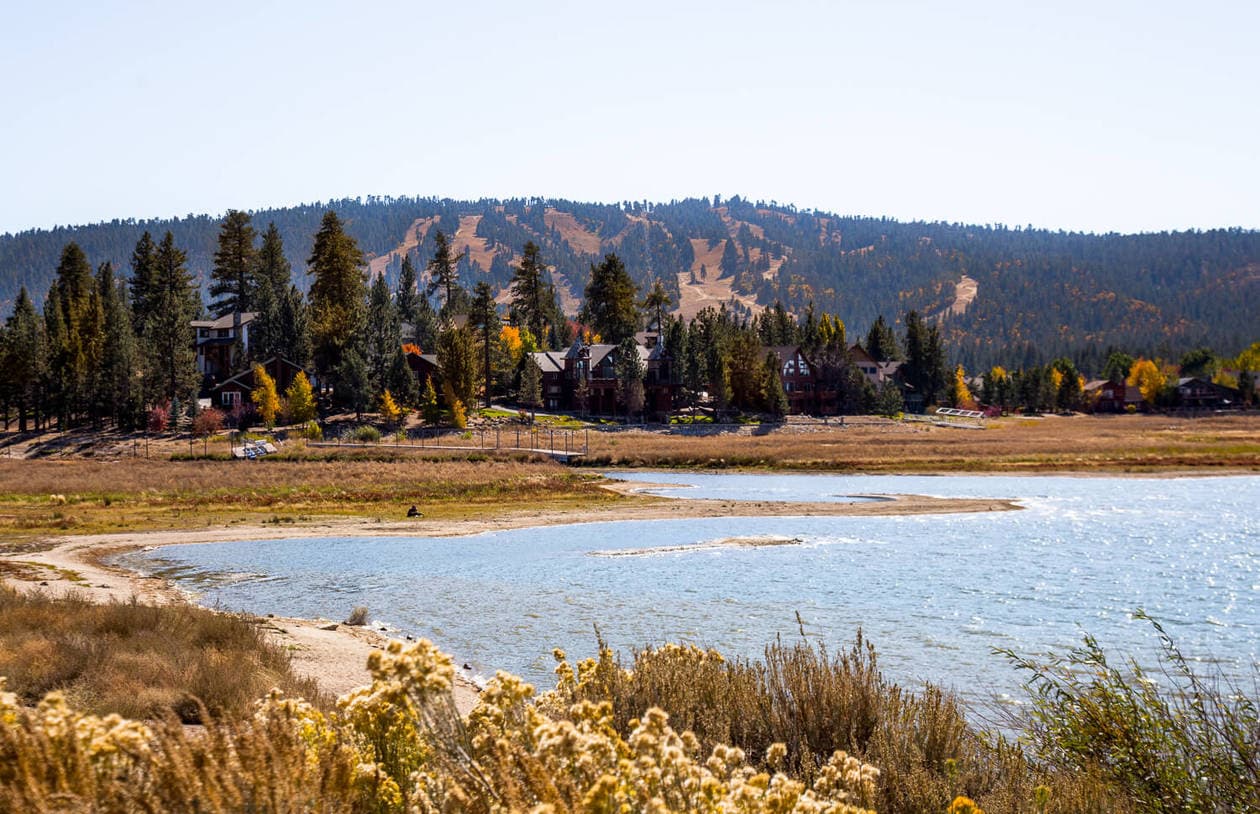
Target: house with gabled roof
(1197, 393)
(800, 381)
(596, 365)
(1104, 396)
(235, 390)
(222, 344)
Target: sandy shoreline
(337, 658)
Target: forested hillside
(1038, 294)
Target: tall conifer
(168, 338)
(338, 298)
(233, 284)
(142, 282)
(24, 360)
(610, 308)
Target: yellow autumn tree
(1147, 377)
(301, 399)
(510, 338)
(265, 396)
(962, 394)
(390, 410)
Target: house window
(803, 367)
(231, 398)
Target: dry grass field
(83, 496)
(1051, 444)
(72, 493)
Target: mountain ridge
(1029, 294)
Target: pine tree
(272, 271)
(888, 400)
(384, 335)
(119, 393)
(609, 308)
(457, 361)
(301, 399)
(168, 340)
(530, 297)
(925, 358)
(73, 324)
(233, 282)
(143, 283)
(281, 326)
(881, 343)
(408, 298)
(729, 265)
(354, 386)
(400, 380)
(484, 316)
(338, 309)
(655, 303)
(773, 397)
(630, 373)
(24, 360)
(444, 273)
(531, 384)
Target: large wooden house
(595, 366)
(222, 345)
(1196, 393)
(1103, 396)
(800, 381)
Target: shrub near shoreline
(798, 731)
(139, 660)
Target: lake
(935, 593)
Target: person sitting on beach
(414, 512)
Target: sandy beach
(336, 657)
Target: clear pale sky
(1125, 116)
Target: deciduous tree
(265, 397)
(1146, 376)
(301, 399)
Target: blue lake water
(934, 593)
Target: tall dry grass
(136, 660)
(678, 729)
(816, 703)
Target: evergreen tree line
(110, 349)
(1042, 294)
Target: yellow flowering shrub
(397, 745)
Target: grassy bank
(84, 496)
(1050, 444)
